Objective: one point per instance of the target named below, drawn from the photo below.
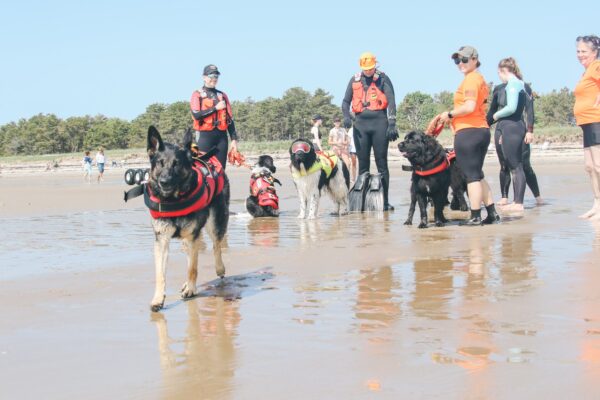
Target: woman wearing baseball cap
(211, 111)
(472, 134)
(371, 95)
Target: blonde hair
(511, 65)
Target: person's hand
(234, 145)
(528, 138)
(347, 123)
(495, 117)
(392, 132)
(443, 117)
(221, 105)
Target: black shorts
(591, 134)
(471, 146)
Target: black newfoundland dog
(433, 173)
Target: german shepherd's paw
(187, 291)
(157, 305)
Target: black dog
(263, 200)
(191, 193)
(432, 175)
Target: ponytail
(511, 65)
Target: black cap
(211, 69)
(316, 117)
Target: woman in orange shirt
(587, 113)
(472, 134)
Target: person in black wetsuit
(511, 101)
(211, 111)
(370, 96)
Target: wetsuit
(506, 110)
(530, 176)
(207, 139)
(371, 128)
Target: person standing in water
(370, 96)
(587, 114)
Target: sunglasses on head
(213, 76)
(300, 146)
(463, 60)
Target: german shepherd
(171, 173)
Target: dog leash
(237, 159)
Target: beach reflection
(376, 303)
(199, 362)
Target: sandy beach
(341, 308)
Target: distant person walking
(213, 119)
(87, 167)
(352, 151)
(317, 121)
(100, 160)
(339, 141)
(587, 114)
(370, 96)
(472, 134)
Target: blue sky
(73, 58)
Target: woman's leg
(530, 176)
(512, 148)
(592, 166)
(504, 172)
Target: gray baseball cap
(466, 51)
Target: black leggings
(206, 140)
(530, 176)
(510, 155)
(371, 132)
(471, 145)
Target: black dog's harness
(441, 163)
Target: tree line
(282, 118)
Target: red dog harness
(450, 155)
(210, 182)
(263, 187)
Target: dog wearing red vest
(263, 200)
(434, 171)
(185, 192)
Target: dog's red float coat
(263, 187)
(439, 168)
(210, 182)
(220, 119)
(374, 97)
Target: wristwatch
(450, 115)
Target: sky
(75, 58)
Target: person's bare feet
(539, 201)
(502, 202)
(593, 211)
(513, 207)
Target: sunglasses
(463, 60)
(301, 147)
(213, 76)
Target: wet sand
(343, 308)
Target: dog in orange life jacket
(185, 193)
(263, 200)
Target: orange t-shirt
(586, 93)
(473, 87)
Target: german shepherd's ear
(155, 143)
(188, 139)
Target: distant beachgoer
(587, 113)
(100, 159)
(317, 121)
(472, 134)
(338, 141)
(352, 151)
(511, 101)
(87, 167)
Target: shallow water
(354, 307)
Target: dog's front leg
(189, 287)
(161, 254)
(303, 201)
(413, 203)
(422, 199)
(313, 204)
